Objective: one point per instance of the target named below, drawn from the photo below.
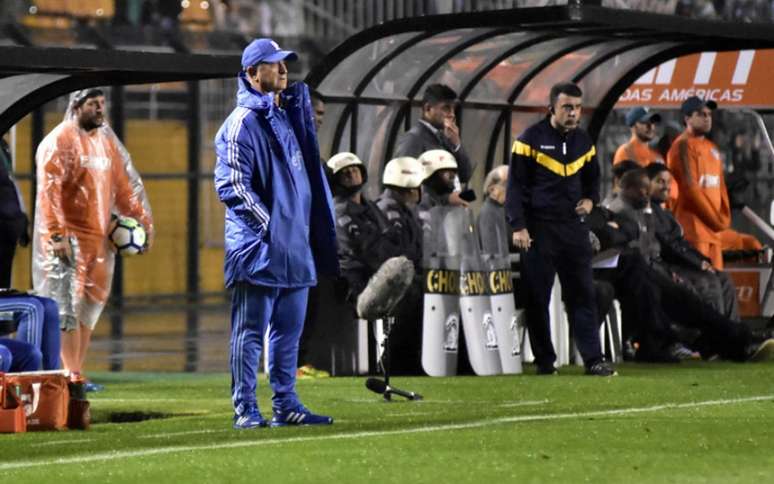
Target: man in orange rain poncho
(84, 177)
(702, 207)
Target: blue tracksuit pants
(255, 310)
(18, 356)
(563, 249)
(38, 320)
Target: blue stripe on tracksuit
(18, 356)
(254, 310)
(38, 320)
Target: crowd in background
(278, 17)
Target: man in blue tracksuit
(18, 356)
(37, 319)
(553, 183)
(279, 229)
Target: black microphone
(378, 386)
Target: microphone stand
(385, 364)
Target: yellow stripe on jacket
(550, 163)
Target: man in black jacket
(715, 287)
(439, 169)
(402, 180)
(365, 237)
(437, 129)
(13, 221)
(553, 183)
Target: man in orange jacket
(642, 123)
(702, 208)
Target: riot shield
(500, 289)
(441, 317)
(477, 320)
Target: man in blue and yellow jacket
(279, 229)
(553, 183)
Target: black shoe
(682, 352)
(601, 368)
(761, 352)
(546, 370)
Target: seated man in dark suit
(650, 297)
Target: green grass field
(694, 422)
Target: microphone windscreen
(376, 385)
(385, 289)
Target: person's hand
(676, 278)
(613, 224)
(451, 131)
(149, 238)
(60, 247)
(584, 207)
(455, 200)
(521, 239)
(707, 267)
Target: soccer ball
(127, 235)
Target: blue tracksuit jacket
(279, 213)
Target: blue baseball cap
(695, 103)
(265, 50)
(641, 115)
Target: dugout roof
(502, 64)
(31, 76)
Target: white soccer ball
(127, 235)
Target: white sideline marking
(514, 403)
(524, 403)
(213, 431)
(405, 414)
(57, 442)
(144, 400)
(115, 455)
(358, 400)
(187, 432)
